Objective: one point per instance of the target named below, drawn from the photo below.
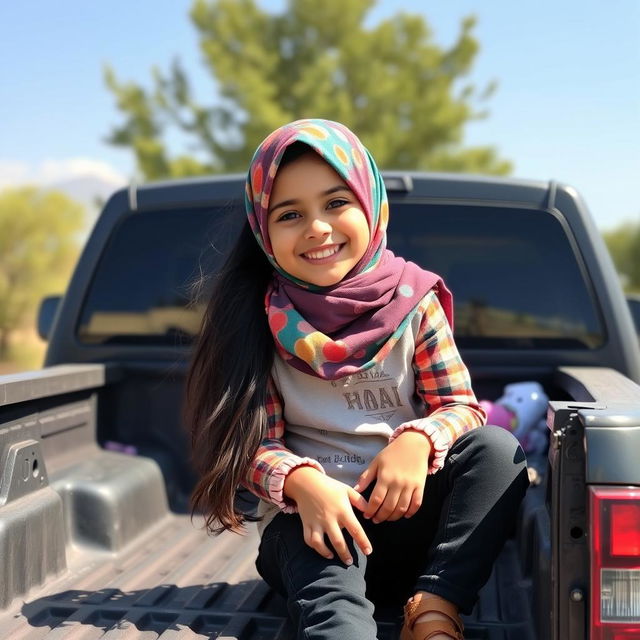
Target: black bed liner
(92, 550)
(177, 583)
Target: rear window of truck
(143, 287)
(516, 280)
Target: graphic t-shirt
(343, 424)
(339, 426)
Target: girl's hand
(326, 507)
(400, 471)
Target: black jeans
(447, 548)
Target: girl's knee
(497, 460)
(499, 445)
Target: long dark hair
(226, 387)
(225, 395)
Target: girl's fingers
(357, 500)
(376, 499)
(389, 505)
(315, 539)
(338, 542)
(402, 506)
(359, 536)
(366, 477)
(416, 502)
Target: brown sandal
(418, 605)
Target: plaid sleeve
(443, 383)
(273, 461)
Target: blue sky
(567, 105)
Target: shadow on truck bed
(178, 583)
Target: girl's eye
(289, 215)
(334, 204)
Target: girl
(326, 381)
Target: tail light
(615, 563)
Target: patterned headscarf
(335, 331)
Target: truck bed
(176, 582)
(89, 547)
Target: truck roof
(205, 189)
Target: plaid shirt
(442, 382)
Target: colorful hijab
(331, 332)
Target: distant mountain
(89, 190)
(86, 189)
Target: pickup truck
(96, 540)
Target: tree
(38, 248)
(624, 246)
(391, 83)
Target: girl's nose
(318, 227)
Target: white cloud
(48, 172)
(12, 173)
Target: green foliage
(38, 248)
(391, 83)
(624, 246)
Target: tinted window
(141, 289)
(513, 273)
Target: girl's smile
(317, 228)
(323, 254)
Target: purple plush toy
(522, 410)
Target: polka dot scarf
(332, 332)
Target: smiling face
(317, 228)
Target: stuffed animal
(522, 409)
